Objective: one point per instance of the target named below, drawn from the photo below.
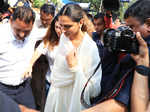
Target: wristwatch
(142, 70)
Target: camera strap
(110, 95)
(83, 102)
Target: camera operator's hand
(142, 58)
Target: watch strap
(143, 70)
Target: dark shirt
(112, 72)
(127, 63)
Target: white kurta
(67, 83)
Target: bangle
(142, 70)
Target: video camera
(122, 39)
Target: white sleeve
(42, 49)
(93, 88)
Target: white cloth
(67, 83)
(15, 56)
(50, 57)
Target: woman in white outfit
(75, 60)
(40, 83)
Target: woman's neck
(78, 39)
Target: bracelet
(142, 70)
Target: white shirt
(38, 31)
(15, 56)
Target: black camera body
(122, 39)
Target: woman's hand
(142, 58)
(72, 58)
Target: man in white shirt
(43, 20)
(16, 49)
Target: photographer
(109, 62)
(140, 22)
(137, 18)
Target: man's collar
(41, 26)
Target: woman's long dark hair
(51, 37)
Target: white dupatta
(67, 83)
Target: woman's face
(69, 27)
(58, 28)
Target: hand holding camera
(142, 58)
(122, 39)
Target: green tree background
(95, 5)
(38, 3)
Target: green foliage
(38, 3)
(55, 1)
(95, 4)
(124, 7)
(122, 10)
